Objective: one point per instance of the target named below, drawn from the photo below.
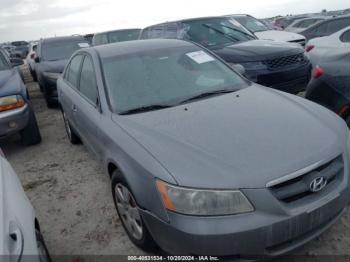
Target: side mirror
(37, 59)
(16, 62)
(239, 68)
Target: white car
(301, 24)
(261, 31)
(336, 46)
(30, 58)
(20, 239)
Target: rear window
(123, 35)
(3, 62)
(100, 39)
(61, 50)
(19, 43)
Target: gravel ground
(72, 196)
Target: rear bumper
(18, 118)
(263, 233)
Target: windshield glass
(61, 50)
(252, 24)
(216, 32)
(3, 63)
(165, 77)
(124, 35)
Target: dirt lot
(72, 195)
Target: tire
(50, 103)
(30, 134)
(144, 239)
(44, 255)
(71, 134)
(41, 88)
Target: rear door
(88, 113)
(68, 89)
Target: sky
(35, 19)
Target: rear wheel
(129, 214)
(72, 136)
(30, 134)
(44, 255)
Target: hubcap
(128, 211)
(67, 126)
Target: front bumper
(271, 230)
(18, 117)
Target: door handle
(74, 108)
(16, 242)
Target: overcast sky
(33, 19)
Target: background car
(330, 84)
(283, 22)
(115, 36)
(22, 48)
(263, 32)
(274, 64)
(16, 111)
(51, 57)
(300, 25)
(30, 59)
(196, 188)
(326, 27)
(21, 239)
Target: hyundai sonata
(203, 161)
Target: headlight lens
(203, 202)
(11, 102)
(52, 76)
(253, 66)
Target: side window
(100, 39)
(73, 70)
(156, 32)
(337, 25)
(345, 37)
(171, 31)
(87, 84)
(321, 29)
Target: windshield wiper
(230, 37)
(207, 94)
(242, 32)
(144, 109)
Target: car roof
(118, 30)
(62, 39)
(188, 20)
(130, 47)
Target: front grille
(299, 188)
(292, 60)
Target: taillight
(308, 48)
(317, 72)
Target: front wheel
(129, 214)
(30, 134)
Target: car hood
(10, 82)
(257, 50)
(53, 66)
(240, 140)
(277, 35)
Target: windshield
(19, 43)
(61, 50)
(123, 35)
(3, 63)
(252, 24)
(165, 77)
(216, 32)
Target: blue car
(16, 111)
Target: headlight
(52, 76)
(11, 102)
(203, 202)
(254, 66)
